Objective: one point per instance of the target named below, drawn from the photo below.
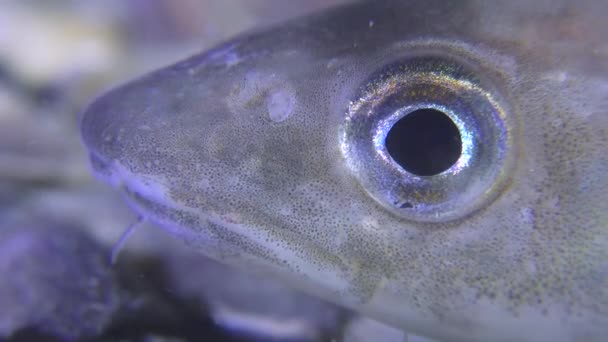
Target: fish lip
(115, 175)
(101, 168)
(155, 207)
(149, 198)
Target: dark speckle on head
(442, 169)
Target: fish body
(270, 152)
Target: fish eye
(429, 136)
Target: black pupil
(425, 142)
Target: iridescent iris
(421, 177)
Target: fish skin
(237, 151)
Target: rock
(56, 281)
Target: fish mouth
(149, 197)
(213, 235)
(144, 194)
(102, 169)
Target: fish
(440, 166)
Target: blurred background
(58, 224)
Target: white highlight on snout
(268, 93)
(280, 105)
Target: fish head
(440, 166)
